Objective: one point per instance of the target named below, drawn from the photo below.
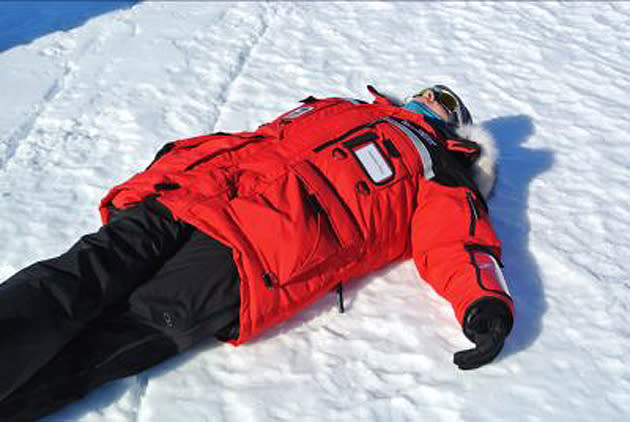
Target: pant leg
(194, 295)
(47, 304)
(112, 346)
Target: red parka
(329, 191)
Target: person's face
(428, 98)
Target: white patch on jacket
(484, 169)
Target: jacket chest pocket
(296, 225)
(368, 160)
(367, 170)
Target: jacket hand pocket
(296, 225)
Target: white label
(486, 262)
(373, 162)
(499, 275)
(427, 163)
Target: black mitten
(487, 323)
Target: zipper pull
(391, 148)
(340, 298)
(269, 280)
(317, 207)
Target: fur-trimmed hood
(484, 169)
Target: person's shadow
(517, 167)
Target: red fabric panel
(442, 239)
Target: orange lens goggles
(443, 98)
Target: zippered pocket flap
(371, 157)
(341, 220)
(360, 140)
(288, 228)
(474, 213)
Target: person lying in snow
(228, 234)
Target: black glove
(487, 323)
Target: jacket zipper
(253, 139)
(360, 140)
(331, 142)
(474, 216)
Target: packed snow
(83, 109)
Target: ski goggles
(458, 114)
(442, 97)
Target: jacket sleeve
(455, 248)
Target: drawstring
(340, 298)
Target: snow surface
(84, 109)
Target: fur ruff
(484, 169)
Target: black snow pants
(140, 290)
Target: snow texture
(84, 109)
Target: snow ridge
(13, 141)
(265, 17)
(142, 381)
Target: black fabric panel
(191, 292)
(360, 140)
(308, 100)
(327, 144)
(45, 305)
(166, 148)
(196, 294)
(112, 346)
(391, 148)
